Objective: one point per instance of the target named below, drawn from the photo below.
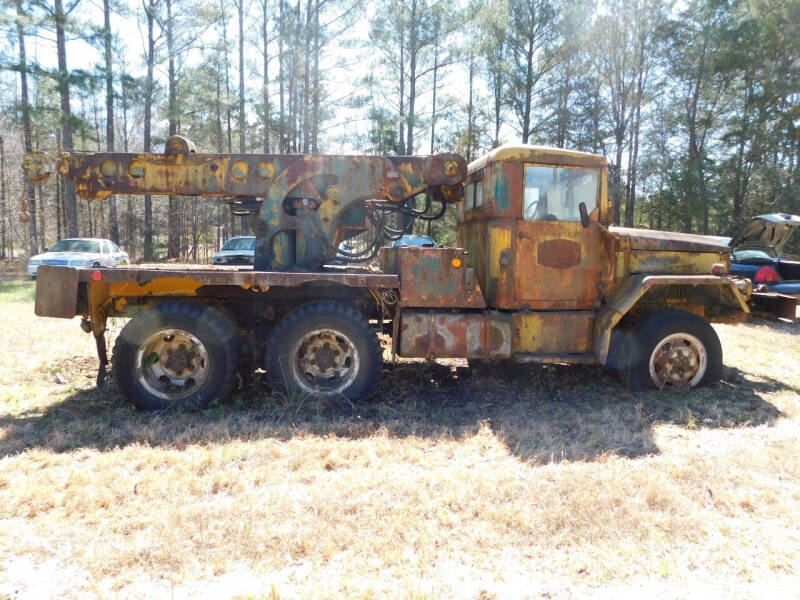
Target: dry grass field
(551, 483)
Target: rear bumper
(773, 304)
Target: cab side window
(554, 193)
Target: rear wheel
(673, 349)
(176, 354)
(324, 348)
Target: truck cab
(520, 221)
(559, 283)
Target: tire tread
(276, 338)
(215, 319)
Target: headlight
(35, 261)
(219, 260)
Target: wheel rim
(172, 364)
(325, 360)
(678, 360)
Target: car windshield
(415, 240)
(751, 254)
(76, 246)
(241, 243)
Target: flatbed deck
(236, 275)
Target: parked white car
(238, 250)
(80, 252)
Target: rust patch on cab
(558, 254)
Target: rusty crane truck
(538, 274)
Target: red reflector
(97, 276)
(767, 274)
(718, 269)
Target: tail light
(767, 274)
(718, 269)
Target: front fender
(637, 286)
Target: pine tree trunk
(265, 89)
(315, 96)
(433, 109)
(26, 127)
(227, 78)
(412, 78)
(173, 216)
(242, 120)
(402, 138)
(66, 115)
(112, 200)
(470, 116)
(307, 78)
(281, 76)
(148, 107)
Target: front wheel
(324, 348)
(176, 354)
(673, 349)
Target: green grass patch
(17, 291)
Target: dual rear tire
(182, 354)
(176, 354)
(324, 348)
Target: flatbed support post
(102, 355)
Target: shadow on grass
(543, 413)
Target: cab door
(558, 263)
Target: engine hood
(766, 231)
(649, 239)
(224, 253)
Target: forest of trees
(695, 103)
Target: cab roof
(537, 154)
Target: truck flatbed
(60, 297)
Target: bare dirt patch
(546, 482)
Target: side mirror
(584, 214)
(46, 249)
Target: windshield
(752, 254)
(76, 246)
(554, 193)
(240, 243)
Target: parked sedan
(80, 252)
(757, 253)
(238, 250)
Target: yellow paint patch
(567, 332)
(681, 263)
(161, 286)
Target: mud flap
(56, 292)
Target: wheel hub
(325, 360)
(172, 364)
(678, 360)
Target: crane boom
(311, 202)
